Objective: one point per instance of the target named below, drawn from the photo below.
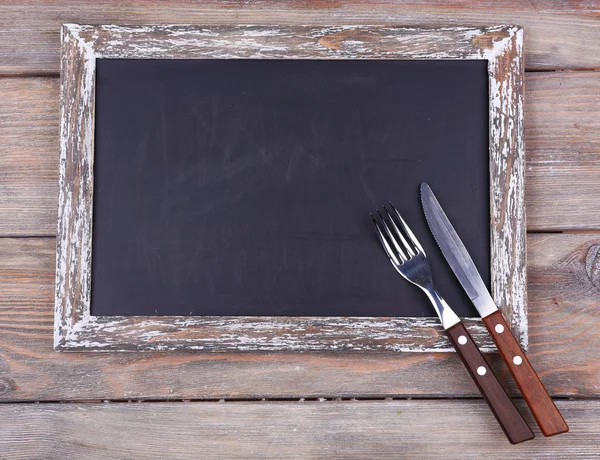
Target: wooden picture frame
(77, 330)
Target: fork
(408, 258)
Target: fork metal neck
(446, 314)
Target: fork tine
(407, 230)
(399, 250)
(407, 247)
(384, 243)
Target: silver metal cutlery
(409, 259)
(539, 401)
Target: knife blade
(535, 394)
(456, 254)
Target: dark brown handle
(509, 418)
(546, 414)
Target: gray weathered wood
(28, 156)
(76, 329)
(563, 151)
(560, 34)
(562, 134)
(315, 430)
(564, 287)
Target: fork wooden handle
(509, 418)
(546, 414)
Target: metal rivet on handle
(481, 370)
(462, 340)
(499, 328)
(517, 360)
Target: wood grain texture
(28, 155)
(564, 287)
(307, 430)
(560, 34)
(77, 330)
(566, 321)
(562, 139)
(562, 133)
(547, 416)
(511, 421)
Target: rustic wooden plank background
(562, 114)
(560, 34)
(316, 430)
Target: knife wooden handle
(509, 418)
(546, 414)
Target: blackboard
(244, 187)
(144, 242)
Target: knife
(546, 414)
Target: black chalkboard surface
(244, 187)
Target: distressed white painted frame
(76, 329)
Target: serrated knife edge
(455, 253)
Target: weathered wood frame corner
(77, 330)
